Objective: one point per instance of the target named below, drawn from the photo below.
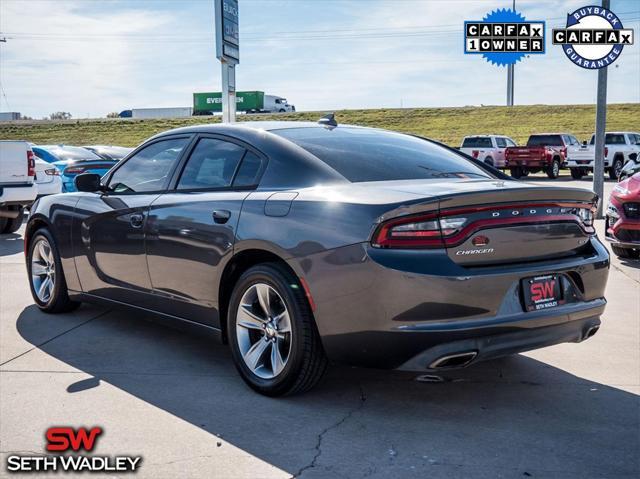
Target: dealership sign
(504, 37)
(227, 31)
(593, 38)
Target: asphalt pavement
(570, 410)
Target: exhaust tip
(591, 331)
(458, 360)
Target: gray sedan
(304, 243)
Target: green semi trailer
(246, 101)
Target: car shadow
(518, 414)
(11, 244)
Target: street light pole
(601, 125)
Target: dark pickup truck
(544, 152)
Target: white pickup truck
(619, 145)
(18, 188)
(487, 148)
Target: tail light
(31, 163)
(475, 153)
(74, 170)
(453, 227)
(427, 231)
(564, 152)
(606, 151)
(52, 172)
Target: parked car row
(28, 172)
(549, 152)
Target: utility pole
(601, 126)
(510, 75)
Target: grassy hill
(445, 124)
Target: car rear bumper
(402, 308)
(23, 195)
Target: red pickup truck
(544, 152)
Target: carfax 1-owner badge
(593, 38)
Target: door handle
(136, 220)
(221, 216)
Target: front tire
(273, 337)
(553, 171)
(616, 169)
(627, 253)
(46, 278)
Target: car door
(191, 228)
(111, 257)
(501, 146)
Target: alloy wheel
(263, 331)
(43, 270)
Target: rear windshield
(476, 142)
(361, 154)
(71, 153)
(545, 140)
(610, 139)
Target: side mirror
(88, 182)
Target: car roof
(249, 125)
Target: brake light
(74, 170)
(475, 153)
(425, 231)
(31, 163)
(52, 172)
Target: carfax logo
(594, 37)
(504, 37)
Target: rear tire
(11, 225)
(553, 171)
(577, 173)
(616, 169)
(46, 278)
(489, 161)
(516, 172)
(277, 352)
(627, 253)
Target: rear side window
(149, 169)
(249, 170)
(211, 165)
(476, 142)
(545, 140)
(501, 142)
(362, 154)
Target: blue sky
(91, 57)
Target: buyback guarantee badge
(504, 37)
(593, 38)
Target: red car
(623, 218)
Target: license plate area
(541, 292)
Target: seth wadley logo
(593, 38)
(67, 439)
